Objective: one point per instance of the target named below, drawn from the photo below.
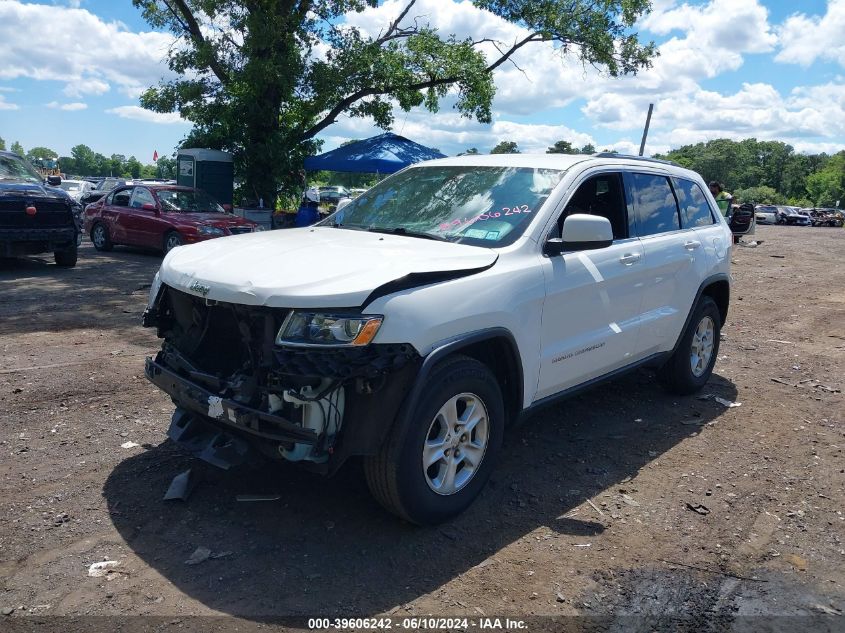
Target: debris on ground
(98, 570)
(699, 508)
(267, 497)
(595, 507)
(181, 487)
(200, 555)
(727, 403)
(129, 445)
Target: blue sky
(771, 69)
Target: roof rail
(632, 157)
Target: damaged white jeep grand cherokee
(447, 301)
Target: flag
(155, 155)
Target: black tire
(395, 475)
(66, 259)
(101, 238)
(172, 239)
(677, 374)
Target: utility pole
(645, 131)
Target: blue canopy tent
(382, 154)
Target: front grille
(49, 214)
(237, 230)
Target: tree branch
(395, 24)
(190, 23)
(347, 101)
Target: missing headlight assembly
(294, 385)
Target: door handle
(629, 258)
(691, 246)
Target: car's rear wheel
(434, 465)
(690, 366)
(67, 258)
(171, 241)
(100, 237)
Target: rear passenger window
(654, 204)
(694, 208)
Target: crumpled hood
(319, 267)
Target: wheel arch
(494, 347)
(718, 288)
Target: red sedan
(159, 216)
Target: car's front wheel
(100, 237)
(171, 241)
(690, 366)
(436, 463)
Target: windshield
(483, 206)
(16, 168)
(188, 202)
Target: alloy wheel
(455, 443)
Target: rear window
(654, 205)
(692, 203)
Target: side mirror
(581, 232)
(54, 181)
(149, 206)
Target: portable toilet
(208, 169)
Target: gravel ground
(588, 513)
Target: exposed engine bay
(221, 365)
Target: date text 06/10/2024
(416, 624)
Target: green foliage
(562, 147)
(472, 151)
(2, 144)
(17, 148)
(759, 195)
(565, 147)
(84, 161)
(505, 147)
(252, 83)
(769, 169)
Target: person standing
(723, 198)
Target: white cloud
(89, 87)
(92, 53)
(804, 39)
(5, 105)
(137, 113)
(69, 107)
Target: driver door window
(141, 197)
(601, 195)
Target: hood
(319, 267)
(215, 219)
(31, 190)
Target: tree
(472, 151)
(589, 148)
(759, 195)
(505, 147)
(2, 144)
(562, 147)
(251, 81)
(17, 148)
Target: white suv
(439, 306)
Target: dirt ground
(588, 513)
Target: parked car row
(159, 216)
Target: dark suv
(36, 217)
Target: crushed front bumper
(224, 413)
